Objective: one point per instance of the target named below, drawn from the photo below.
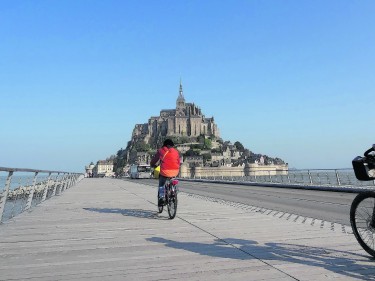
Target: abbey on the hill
(186, 120)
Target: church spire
(180, 103)
(181, 93)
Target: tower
(180, 103)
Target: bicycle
(362, 210)
(170, 199)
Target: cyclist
(169, 161)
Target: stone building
(186, 120)
(143, 158)
(89, 170)
(194, 161)
(103, 168)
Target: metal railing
(313, 177)
(22, 189)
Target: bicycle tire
(360, 215)
(172, 205)
(160, 207)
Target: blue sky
(290, 79)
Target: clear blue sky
(290, 79)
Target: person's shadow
(340, 262)
(138, 213)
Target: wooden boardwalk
(108, 229)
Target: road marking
(313, 222)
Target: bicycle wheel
(172, 204)
(160, 205)
(362, 220)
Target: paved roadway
(108, 229)
(323, 205)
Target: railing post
(57, 183)
(30, 198)
(47, 187)
(4, 195)
(337, 177)
(69, 182)
(76, 177)
(319, 180)
(311, 181)
(64, 182)
(73, 180)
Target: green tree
(201, 139)
(119, 161)
(184, 139)
(142, 146)
(196, 146)
(239, 146)
(206, 156)
(112, 157)
(193, 152)
(207, 144)
(246, 153)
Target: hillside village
(195, 136)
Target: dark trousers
(162, 180)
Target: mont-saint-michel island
(197, 138)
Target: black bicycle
(170, 199)
(362, 211)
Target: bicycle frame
(170, 186)
(170, 193)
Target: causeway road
(109, 229)
(330, 205)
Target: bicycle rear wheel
(172, 204)
(362, 218)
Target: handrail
(15, 199)
(6, 169)
(343, 177)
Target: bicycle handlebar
(369, 150)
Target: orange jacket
(169, 161)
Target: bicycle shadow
(340, 262)
(137, 213)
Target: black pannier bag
(361, 169)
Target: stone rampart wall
(247, 170)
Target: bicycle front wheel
(362, 220)
(160, 205)
(172, 204)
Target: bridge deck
(107, 229)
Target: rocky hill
(195, 136)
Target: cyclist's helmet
(168, 142)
